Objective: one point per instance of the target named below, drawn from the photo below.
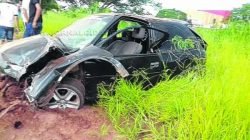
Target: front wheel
(70, 94)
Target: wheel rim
(64, 98)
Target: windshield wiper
(59, 39)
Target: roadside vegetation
(56, 21)
(213, 104)
(210, 104)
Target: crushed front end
(22, 59)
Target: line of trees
(138, 7)
(238, 14)
(122, 6)
(172, 13)
(241, 14)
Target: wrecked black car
(63, 71)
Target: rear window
(175, 30)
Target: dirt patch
(24, 122)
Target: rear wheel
(70, 94)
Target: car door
(146, 63)
(150, 64)
(145, 68)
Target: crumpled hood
(24, 51)
(16, 56)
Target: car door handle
(154, 65)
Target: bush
(172, 13)
(241, 14)
(49, 5)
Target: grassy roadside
(54, 22)
(212, 105)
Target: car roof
(148, 18)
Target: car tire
(68, 87)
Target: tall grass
(209, 105)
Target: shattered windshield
(82, 32)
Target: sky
(202, 4)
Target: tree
(46, 4)
(241, 14)
(49, 4)
(130, 6)
(172, 13)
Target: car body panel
(150, 63)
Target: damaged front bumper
(39, 102)
(42, 84)
(27, 91)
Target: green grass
(209, 105)
(213, 104)
(54, 22)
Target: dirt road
(25, 123)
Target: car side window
(122, 24)
(178, 34)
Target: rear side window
(178, 33)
